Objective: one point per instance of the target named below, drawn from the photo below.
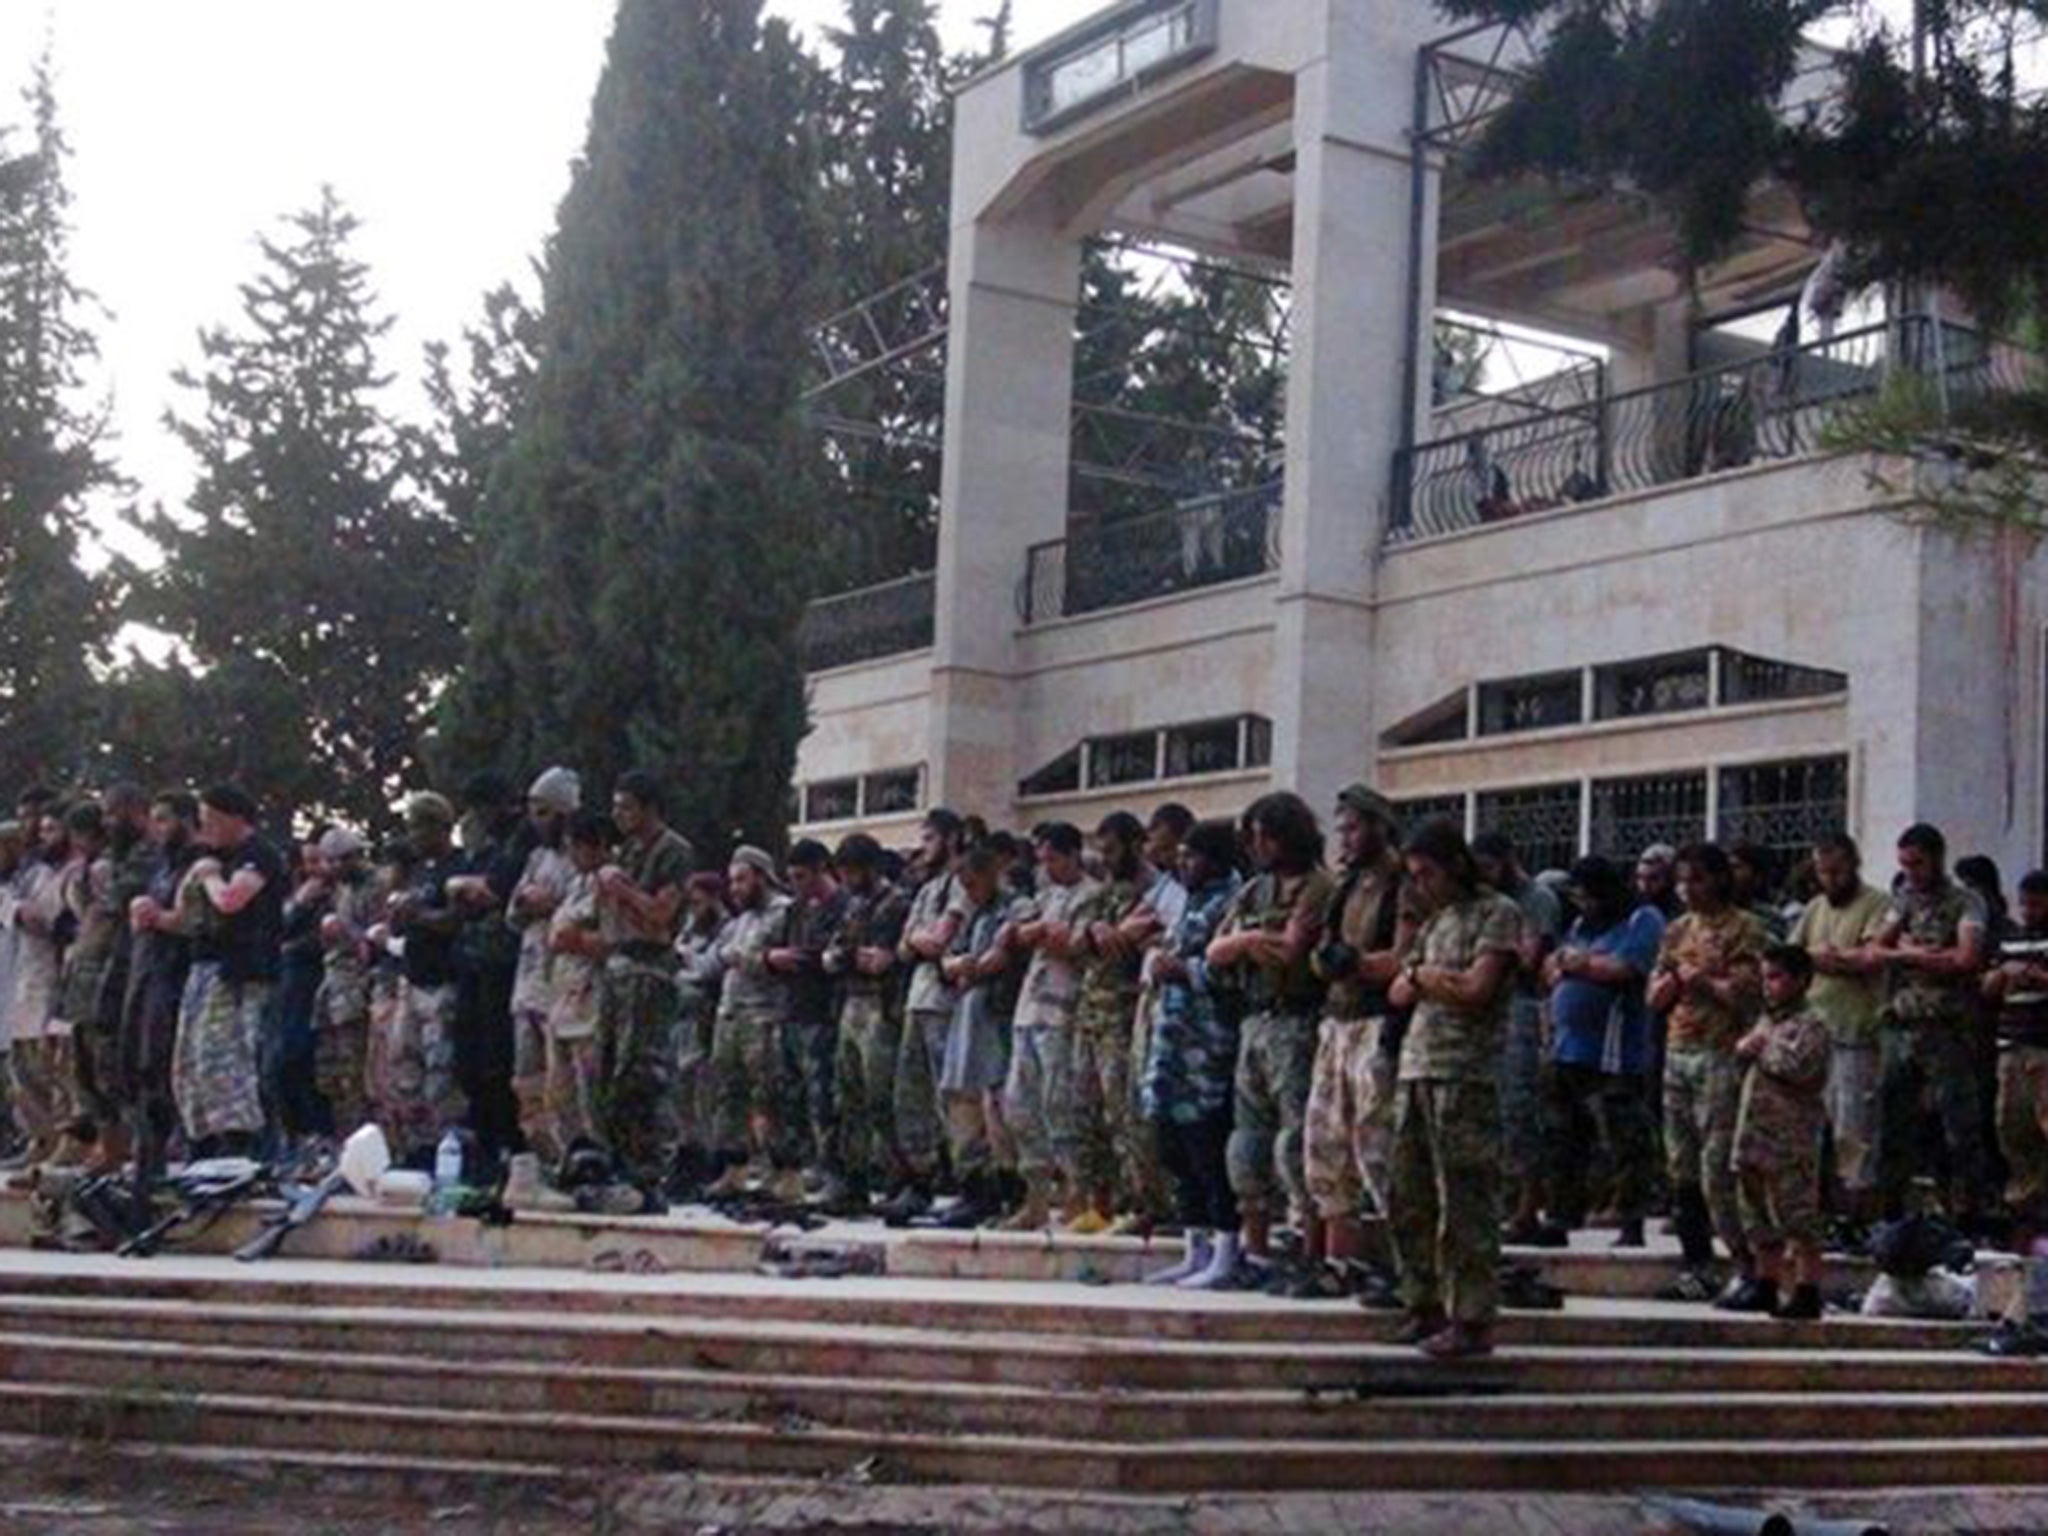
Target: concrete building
(1637, 602)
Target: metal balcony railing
(1198, 543)
(870, 624)
(1774, 406)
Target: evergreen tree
(476, 410)
(313, 588)
(55, 616)
(651, 537)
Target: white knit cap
(559, 789)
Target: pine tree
(312, 587)
(651, 537)
(54, 614)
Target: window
(1445, 721)
(894, 792)
(1631, 814)
(1123, 50)
(1215, 747)
(1132, 759)
(1542, 823)
(1531, 703)
(1061, 776)
(1747, 679)
(1785, 806)
(1420, 813)
(832, 800)
(1662, 685)
(1164, 752)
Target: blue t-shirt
(1597, 1025)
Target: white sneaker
(1201, 1248)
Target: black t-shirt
(2023, 1015)
(246, 945)
(430, 956)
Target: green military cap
(1370, 803)
(428, 807)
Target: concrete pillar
(1352, 221)
(1009, 392)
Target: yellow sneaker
(1090, 1223)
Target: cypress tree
(651, 535)
(313, 587)
(55, 616)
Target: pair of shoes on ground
(1759, 1297)
(1440, 1338)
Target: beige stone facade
(1762, 638)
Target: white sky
(446, 125)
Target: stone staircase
(1025, 1384)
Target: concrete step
(1421, 1406)
(1020, 1357)
(1170, 1467)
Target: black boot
(906, 1205)
(1804, 1307)
(1750, 1293)
(1695, 1227)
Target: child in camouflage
(1778, 1140)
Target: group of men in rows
(1171, 1022)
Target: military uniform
(1276, 1046)
(1445, 1171)
(927, 1018)
(1702, 1078)
(109, 885)
(2023, 1094)
(1929, 1049)
(1351, 1097)
(547, 873)
(1111, 1148)
(45, 1077)
(227, 999)
(870, 1033)
(1778, 1133)
(639, 1015)
(574, 983)
(426, 1098)
(700, 976)
(341, 1009)
(1039, 1094)
(747, 1057)
(1849, 1006)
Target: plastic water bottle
(447, 1173)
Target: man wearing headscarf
(341, 1005)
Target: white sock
(1222, 1264)
(1193, 1261)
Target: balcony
(1199, 543)
(1774, 406)
(870, 624)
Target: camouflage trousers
(45, 1095)
(1932, 1061)
(1144, 1165)
(1777, 1170)
(384, 1004)
(1521, 1091)
(696, 1078)
(1350, 1124)
(1036, 1100)
(424, 1100)
(1444, 1218)
(2023, 1131)
(341, 1051)
(921, 1119)
(1854, 1104)
(96, 1053)
(638, 1015)
(530, 1082)
(810, 1108)
(568, 1095)
(1588, 1112)
(1702, 1097)
(1105, 1148)
(1276, 1056)
(869, 1038)
(746, 1062)
(216, 1064)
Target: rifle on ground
(299, 1211)
(199, 1196)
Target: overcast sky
(447, 125)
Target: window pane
(1785, 806)
(1531, 703)
(1061, 776)
(1420, 813)
(1631, 814)
(894, 792)
(1258, 746)
(1542, 823)
(833, 800)
(1210, 748)
(1132, 759)
(1747, 679)
(1662, 685)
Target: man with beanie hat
(746, 1051)
(425, 1099)
(341, 1006)
(554, 797)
